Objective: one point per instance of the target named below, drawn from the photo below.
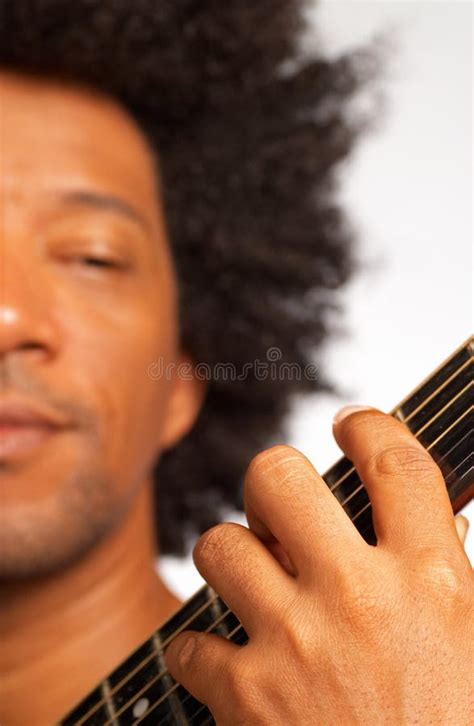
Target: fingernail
(184, 650)
(343, 412)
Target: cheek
(115, 345)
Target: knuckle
(363, 602)
(303, 640)
(244, 692)
(236, 682)
(365, 421)
(300, 643)
(211, 544)
(274, 475)
(360, 610)
(269, 458)
(396, 460)
(444, 575)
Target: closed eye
(101, 262)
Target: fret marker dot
(140, 707)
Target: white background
(408, 190)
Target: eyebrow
(101, 200)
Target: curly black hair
(248, 132)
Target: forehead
(57, 136)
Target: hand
(340, 632)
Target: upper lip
(16, 411)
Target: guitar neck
(439, 412)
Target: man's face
(87, 302)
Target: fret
(93, 703)
(223, 622)
(459, 482)
(216, 619)
(439, 376)
(397, 413)
(149, 692)
(239, 637)
(173, 700)
(128, 700)
(445, 423)
(463, 469)
(141, 691)
(160, 699)
(460, 490)
(443, 397)
(335, 474)
(455, 411)
(450, 437)
(151, 689)
(198, 602)
(205, 722)
(216, 609)
(133, 664)
(138, 669)
(228, 623)
(448, 430)
(202, 716)
(109, 702)
(451, 445)
(460, 453)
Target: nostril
(27, 327)
(30, 345)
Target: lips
(25, 426)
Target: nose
(26, 318)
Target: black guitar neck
(439, 412)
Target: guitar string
(166, 694)
(193, 716)
(161, 674)
(418, 433)
(162, 698)
(421, 405)
(467, 347)
(208, 603)
(146, 660)
(332, 489)
(229, 636)
(446, 431)
(210, 718)
(203, 706)
(368, 504)
(183, 626)
(240, 626)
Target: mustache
(16, 379)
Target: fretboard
(141, 691)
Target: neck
(104, 605)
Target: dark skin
(80, 589)
(71, 332)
